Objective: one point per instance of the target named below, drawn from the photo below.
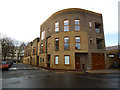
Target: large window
(41, 48)
(34, 51)
(67, 60)
(57, 44)
(90, 40)
(56, 59)
(77, 42)
(66, 25)
(90, 24)
(97, 27)
(40, 59)
(77, 25)
(57, 27)
(43, 35)
(66, 43)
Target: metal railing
(99, 46)
(97, 30)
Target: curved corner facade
(72, 39)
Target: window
(40, 59)
(77, 25)
(67, 60)
(57, 27)
(77, 42)
(56, 44)
(66, 43)
(90, 24)
(34, 51)
(90, 40)
(56, 59)
(97, 30)
(66, 25)
(41, 48)
(43, 59)
(43, 35)
(111, 56)
(97, 27)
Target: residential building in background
(17, 54)
(113, 58)
(71, 39)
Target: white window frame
(90, 24)
(67, 59)
(43, 35)
(56, 59)
(66, 25)
(57, 27)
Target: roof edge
(72, 9)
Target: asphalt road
(26, 76)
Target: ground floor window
(56, 59)
(67, 59)
(40, 59)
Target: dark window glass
(66, 43)
(56, 44)
(90, 40)
(41, 48)
(77, 42)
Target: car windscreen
(4, 62)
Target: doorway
(77, 63)
(30, 60)
(83, 66)
(37, 60)
(48, 61)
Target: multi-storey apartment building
(35, 57)
(72, 39)
(31, 53)
(28, 54)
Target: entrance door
(37, 60)
(83, 66)
(77, 62)
(31, 61)
(48, 62)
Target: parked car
(10, 63)
(4, 65)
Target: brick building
(72, 39)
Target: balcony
(99, 46)
(97, 30)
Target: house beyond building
(113, 57)
(71, 39)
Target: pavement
(106, 71)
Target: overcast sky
(21, 19)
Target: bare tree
(21, 50)
(7, 47)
